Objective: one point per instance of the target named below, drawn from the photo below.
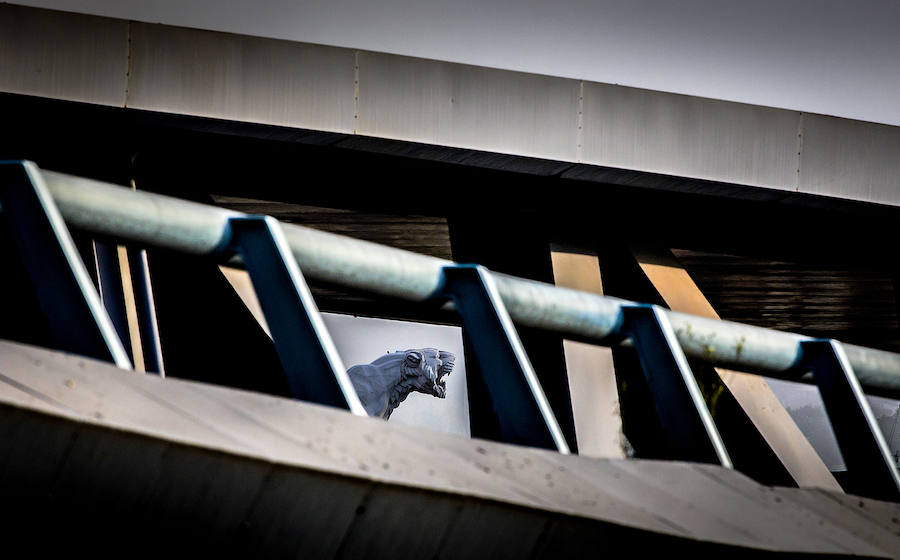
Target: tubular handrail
(190, 227)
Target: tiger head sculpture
(386, 382)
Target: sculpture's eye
(413, 359)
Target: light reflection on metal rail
(195, 228)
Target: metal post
(862, 444)
(313, 367)
(67, 296)
(146, 311)
(112, 294)
(691, 433)
(522, 409)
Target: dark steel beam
(310, 360)
(68, 298)
(866, 453)
(518, 400)
(146, 311)
(690, 431)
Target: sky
(823, 56)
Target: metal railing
(489, 303)
(199, 229)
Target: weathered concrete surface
(104, 458)
(63, 55)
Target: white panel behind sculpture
(360, 340)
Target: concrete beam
(580, 129)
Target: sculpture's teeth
(440, 390)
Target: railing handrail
(190, 227)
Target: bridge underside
(98, 459)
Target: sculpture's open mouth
(440, 387)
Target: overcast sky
(825, 56)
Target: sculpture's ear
(413, 359)
(448, 360)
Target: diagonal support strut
(690, 430)
(522, 409)
(862, 444)
(310, 360)
(68, 298)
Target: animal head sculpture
(386, 382)
(426, 370)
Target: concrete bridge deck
(102, 460)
